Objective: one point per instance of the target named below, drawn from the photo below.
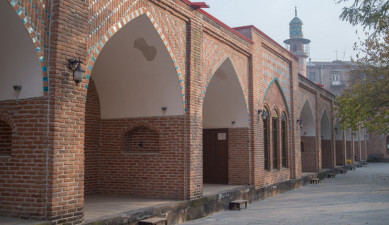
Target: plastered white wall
(325, 126)
(129, 82)
(19, 61)
(224, 100)
(308, 121)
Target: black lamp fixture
(75, 66)
(300, 123)
(336, 130)
(263, 113)
(164, 109)
(17, 88)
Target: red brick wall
(5, 138)
(326, 154)
(308, 156)
(340, 153)
(92, 140)
(23, 174)
(376, 146)
(238, 156)
(148, 174)
(141, 139)
(154, 170)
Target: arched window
(5, 139)
(284, 142)
(266, 146)
(141, 139)
(275, 130)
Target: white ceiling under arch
(224, 103)
(325, 126)
(306, 116)
(19, 61)
(135, 75)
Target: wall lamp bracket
(74, 64)
(300, 123)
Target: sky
(330, 37)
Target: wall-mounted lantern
(300, 123)
(262, 113)
(75, 66)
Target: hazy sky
(320, 17)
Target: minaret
(297, 42)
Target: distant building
(333, 75)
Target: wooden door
(215, 156)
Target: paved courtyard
(358, 197)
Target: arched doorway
(226, 129)
(340, 145)
(326, 141)
(309, 155)
(135, 117)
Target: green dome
(296, 28)
(296, 21)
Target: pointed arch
(325, 125)
(233, 101)
(95, 50)
(308, 121)
(37, 36)
(275, 80)
(212, 72)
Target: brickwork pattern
(92, 140)
(62, 150)
(214, 55)
(23, 172)
(326, 146)
(376, 145)
(108, 17)
(5, 139)
(276, 106)
(238, 156)
(340, 154)
(309, 155)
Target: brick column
(295, 151)
(67, 112)
(318, 135)
(333, 136)
(194, 154)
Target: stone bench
(315, 180)
(153, 221)
(331, 175)
(236, 205)
(343, 171)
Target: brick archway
(95, 51)
(211, 73)
(38, 34)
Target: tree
(365, 102)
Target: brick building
(334, 76)
(171, 99)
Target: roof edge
(269, 38)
